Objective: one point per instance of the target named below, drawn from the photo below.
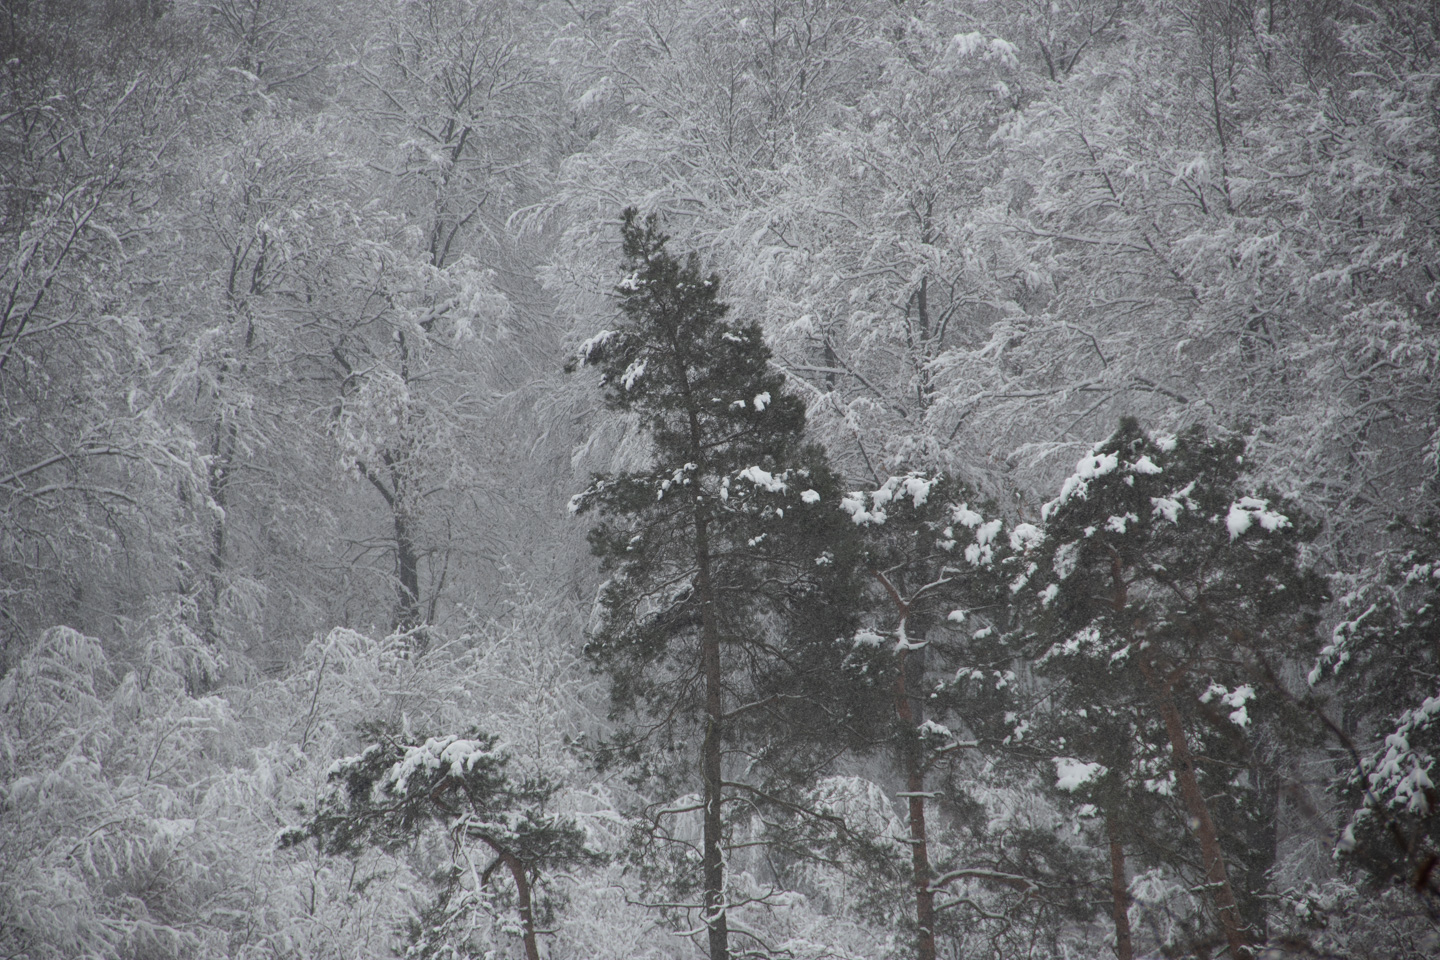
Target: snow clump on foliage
(1247, 510)
(1071, 775)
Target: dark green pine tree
(936, 609)
(727, 559)
(1170, 593)
(399, 786)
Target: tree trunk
(407, 604)
(523, 901)
(910, 713)
(712, 855)
(407, 558)
(1119, 889)
(407, 607)
(222, 454)
(1201, 823)
(919, 847)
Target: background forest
(1063, 573)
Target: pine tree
(1171, 594)
(399, 785)
(726, 554)
(931, 652)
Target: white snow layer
(1025, 536)
(455, 753)
(634, 372)
(1070, 774)
(762, 478)
(914, 486)
(594, 343)
(1401, 770)
(1247, 510)
(1078, 483)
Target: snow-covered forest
(792, 479)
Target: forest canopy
(775, 479)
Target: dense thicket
(287, 290)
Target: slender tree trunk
(922, 347)
(1201, 823)
(919, 846)
(1119, 889)
(712, 854)
(407, 562)
(909, 712)
(222, 458)
(407, 557)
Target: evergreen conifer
(726, 557)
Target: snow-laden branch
(1012, 880)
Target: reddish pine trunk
(523, 899)
(527, 909)
(1200, 821)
